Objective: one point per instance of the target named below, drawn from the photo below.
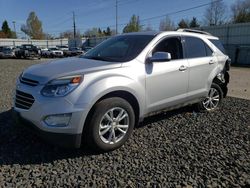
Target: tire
(213, 100)
(101, 127)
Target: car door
(201, 63)
(167, 82)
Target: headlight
(62, 86)
(20, 76)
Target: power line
(180, 11)
(155, 17)
(164, 15)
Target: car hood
(45, 72)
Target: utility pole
(14, 24)
(74, 24)
(116, 17)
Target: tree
(133, 25)
(6, 30)
(194, 23)
(91, 32)
(33, 27)
(241, 11)
(2, 35)
(215, 13)
(108, 31)
(100, 33)
(96, 32)
(183, 24)
(148, 28)
(166, 25)
(70, 34)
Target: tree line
(215, 14)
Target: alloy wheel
(114, 125)
(212, 100)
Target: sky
(56, 15)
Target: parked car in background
(28, 51)
(75, 51)
(62, 47)
(16, 48)
(6, 52)
(45, 52)
(65, 49)
(55, 52)
(101, 95)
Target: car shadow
(21, 146)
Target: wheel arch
(222, 83)
(129, 97)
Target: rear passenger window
(195, 47)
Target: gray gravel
(173, 149)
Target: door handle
(182, 68)
(211, 62)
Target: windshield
(120, 48)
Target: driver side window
(171, 45)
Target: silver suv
(99, 97)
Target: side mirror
(160, 57)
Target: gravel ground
(175, 149)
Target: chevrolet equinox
(100, 96)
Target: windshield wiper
(98, 58)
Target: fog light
(60, 120)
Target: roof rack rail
(194, 31)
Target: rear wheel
(111, 124)
(213, 100)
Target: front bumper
(45, 106)
(60, 139)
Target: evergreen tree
(183, 24)
(194, 23)
(133, 25)
(6, 30)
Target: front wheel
(111, 124)
(213, 100)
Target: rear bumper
(58, 139)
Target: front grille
(29, 81)
(23, 100)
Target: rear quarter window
(218, 45)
